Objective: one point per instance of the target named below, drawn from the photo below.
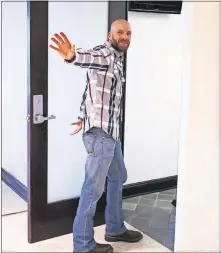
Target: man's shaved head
(120, 35)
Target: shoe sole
(110, 251)
(118, 239)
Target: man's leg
(97, 166)
(116, 177)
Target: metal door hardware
(38, 116)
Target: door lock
(38, 117)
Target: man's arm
(91, 59)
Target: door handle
(38, 116)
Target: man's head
(120, 35)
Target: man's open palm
(79, 127)
(64, 47)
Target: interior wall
(153, 95)
(14, 89)
(66, 84)
(1, 113)
(198, 194)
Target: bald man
(99, 118)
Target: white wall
(86, 26)
(153, 95)
(198, 195)
(14, 89)
(1, 113)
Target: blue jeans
(104, 161)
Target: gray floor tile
(150, 196)
(128, 213)
(134, 200)
(158, 211)
(140, 223)
(169, 246)
(172, 218)
(143, 211)
(128, 219)
(169, 238)
(129, 206)
(158, 237)
(151, 230)
(165, 197)
(169, 192)
(147, 201)
(164, 204)
(173, 210)
(160, 221)
(171, 226)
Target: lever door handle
(40, 118)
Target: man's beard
(115, 45)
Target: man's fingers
(64, 37)
(55, 48)
(55, 41)
(75, 123)
(59, 38)
(76, 131)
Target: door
(56, 159)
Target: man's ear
(109, 36)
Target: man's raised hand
(64, 47)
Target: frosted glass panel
(85, 24)
(14, 89)
(153, 96)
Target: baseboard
(15, 184)
(150, 186)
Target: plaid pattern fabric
(100, 106)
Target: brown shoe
(127, 236)
(102, 248)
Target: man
(99, 115)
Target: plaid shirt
(100, 106)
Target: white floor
(14, 232)
(11, 202)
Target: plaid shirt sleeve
(91, 59)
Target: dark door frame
(48, 220)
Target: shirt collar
(108, 45)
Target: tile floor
(154, 215)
